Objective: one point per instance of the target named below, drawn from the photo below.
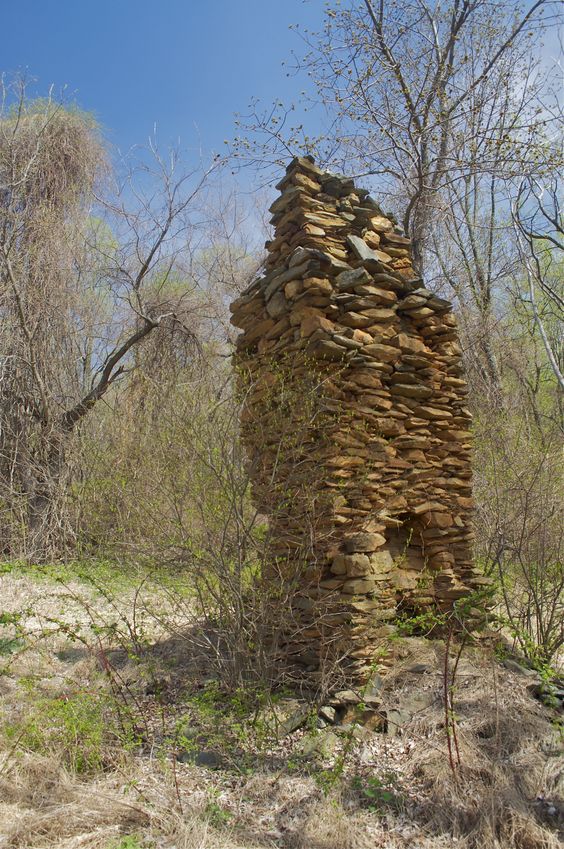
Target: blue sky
(187, 65)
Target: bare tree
(538, 226)
(445, 104)
(403, 83)
(75, 293)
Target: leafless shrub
(520, 525)
(85, 267)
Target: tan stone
(361, 336)
(354, 419)
(396, 252)
(409, 343)
(364, 542)
(366, 381)
(396, 239)
(352, 565)
(306, 182)
(437, 520)
(300, 313)
(293, 288)
(381, 561)
(354, 319)
(328, 350)
(359, 586)
(379, 314)
(372, 239)
(426, 507)
(312, 323)
(412, 390)
(403, 579)
(385, 353)
(382, 296)
(322, 284)
(381, 224)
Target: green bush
(80, 729)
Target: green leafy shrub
(80, 728)
(378, 794)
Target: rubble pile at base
(355, 422)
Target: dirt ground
(113, 737)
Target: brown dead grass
(503, 796)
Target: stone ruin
(355, 424)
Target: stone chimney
(355, 424)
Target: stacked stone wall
(355, 422)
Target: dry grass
(504, 796)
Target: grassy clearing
(116, 735)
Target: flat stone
(519, 669)
(293, 288)
(363, 542)
(352, 344)
(320, 745)
(312, 323)
(358, 586)
(345, 697)
(328, 713)
(379, 314)
(411, 301)
(386, 277)
(419, 668)
(426, 507)
(411, 390)
(356, 319)
(258, 330)
(396, 239)
(374, 687)
(364, 253)
(439, 304)
(381, 224)
(204, 757)
(312, 186)
(384, 353)
(371, 238)
(402, 579)
(277, 305)
(324, 219)
(384, 296)
(353, 565)
(305, 163)
(410, 705)
(318, 284)
(381, 561)
(303, 311)
(433, 413)
(275, 281)
(328, 350)
(288, 197)
(294, 720)
(409, 343)
(347, 280)
(299, 256)
(323, 259)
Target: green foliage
(14, 640)
(409, 624)
(94, 572)
(131, 841)
(237, 725)
(216, 813)
(379, 794)
(78, 728)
